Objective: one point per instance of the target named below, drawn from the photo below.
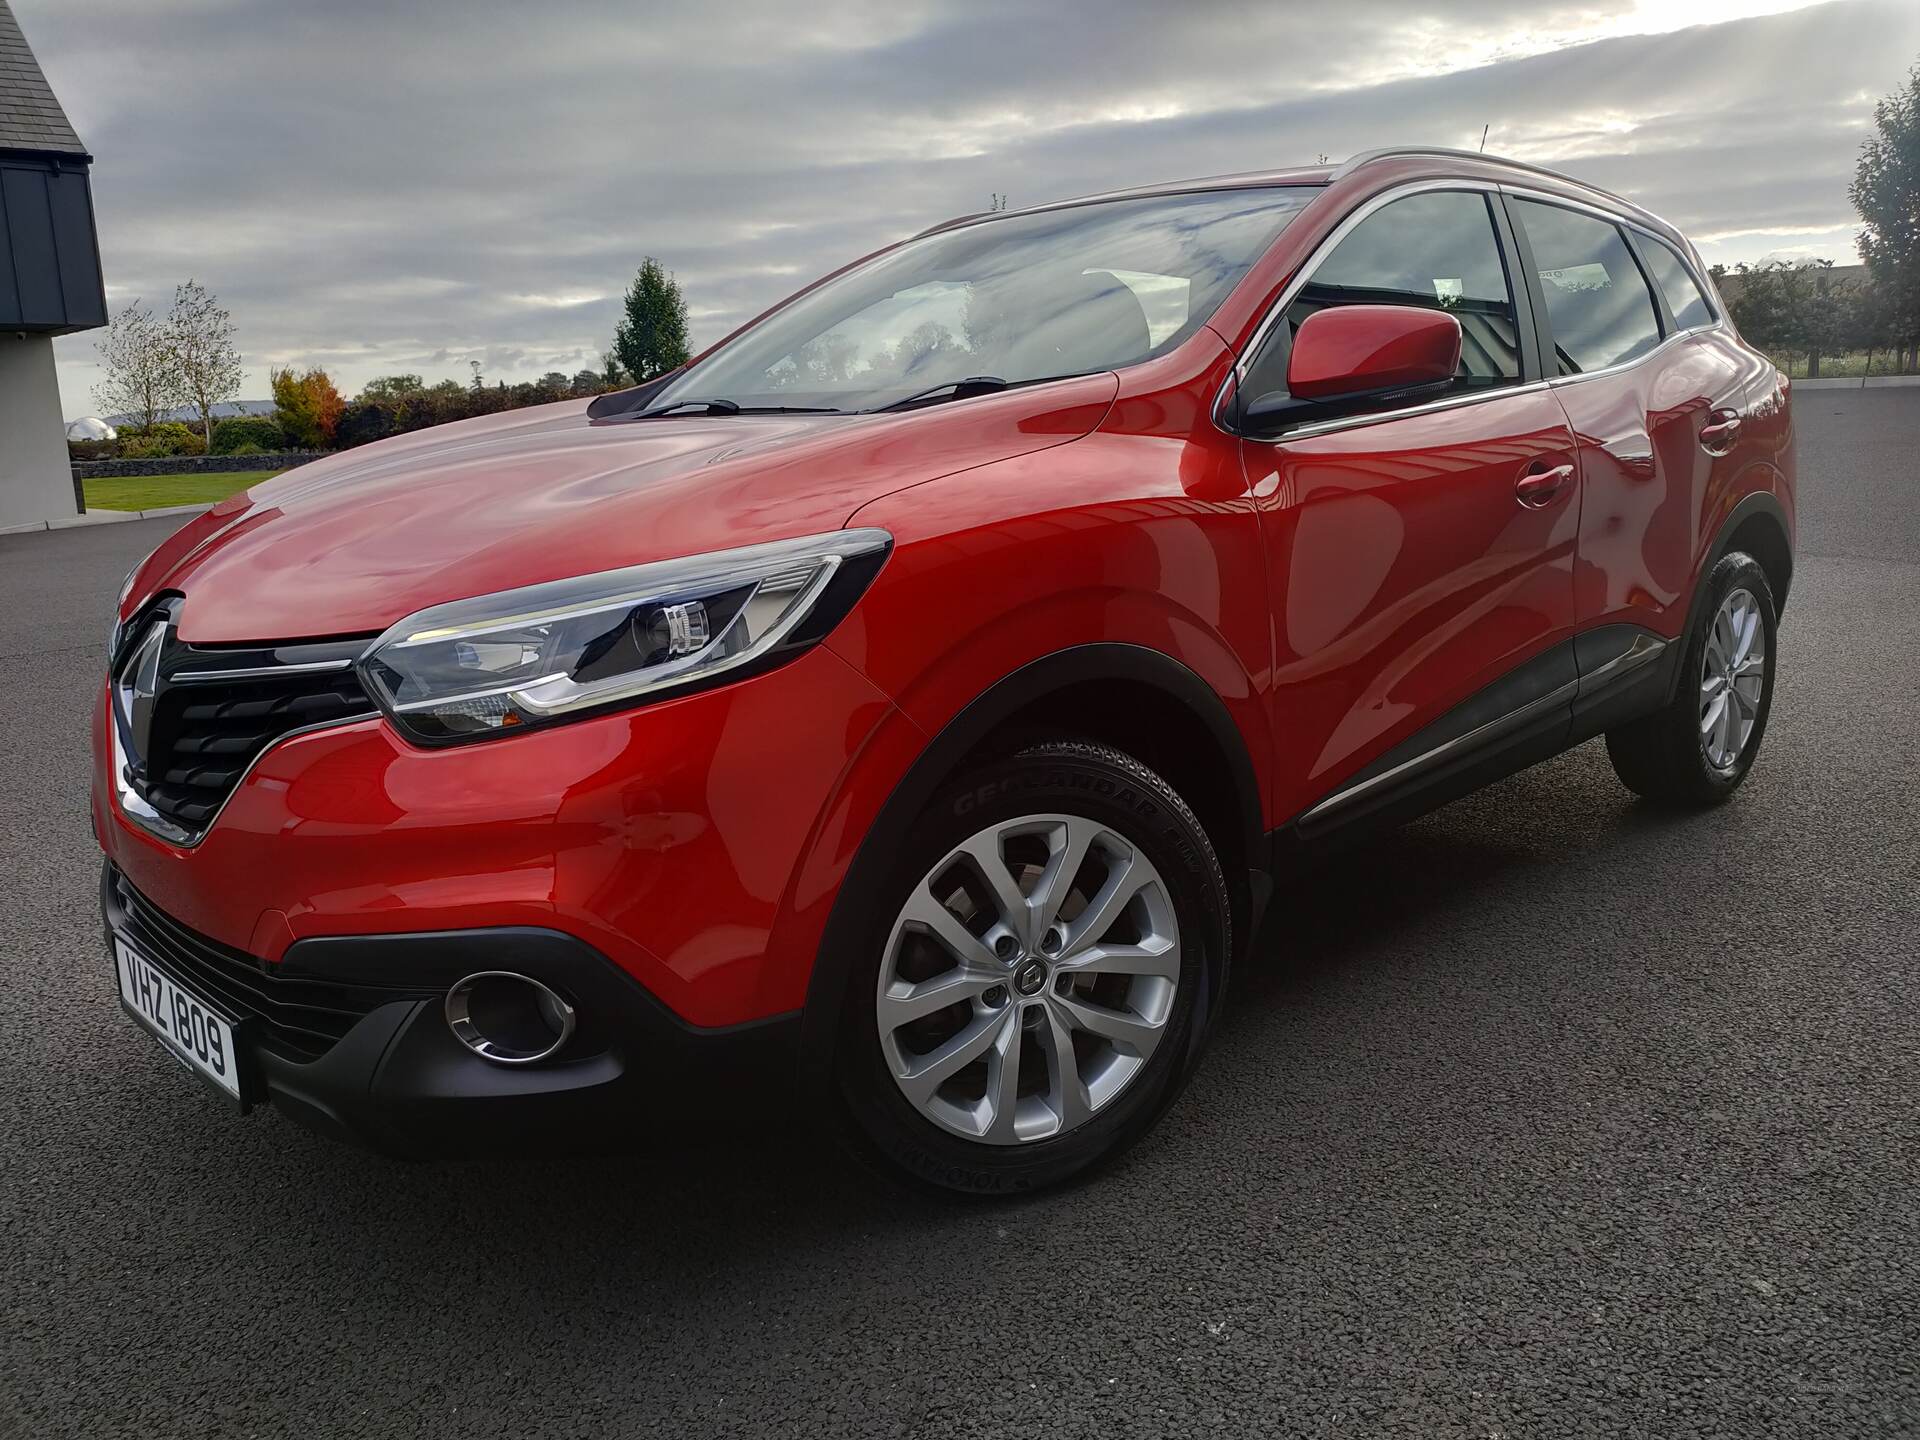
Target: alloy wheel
(1733, 676)
(1027, 979)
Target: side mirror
(1352, 357)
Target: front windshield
(1029, 297)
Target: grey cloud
(378, 187)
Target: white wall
(35, 482)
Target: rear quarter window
(1685, 301)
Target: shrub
(167, 437)
(364, 421)
(262, 432)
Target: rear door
(1656, 407)
(1418, 598)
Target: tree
(1795, 310)
(651, 338)
(307, 406)
(141, 377)
(199, 336)
(1886, 192)
(388, 388)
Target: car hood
(350, 544)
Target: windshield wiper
(731, 407)
(949, 390)
(707, 407)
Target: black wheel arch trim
(1761, 503)
(1036, 680)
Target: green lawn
(156, 492)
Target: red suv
(905, 705)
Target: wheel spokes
(1069, 845)
(902, 1003)
(1003, 1082)
(990, 863)
(1125, 1030)
(926, 911)
(1066, 1092)
(1124, 881)
(1156, 956)
(929, 1072)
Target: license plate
(194, 1032)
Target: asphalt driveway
(1551, 1116)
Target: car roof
(1395, 163)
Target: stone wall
(193, 464)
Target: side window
(1437, 250)
(1597, 300)
(1684, 300)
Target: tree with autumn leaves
(307, 406)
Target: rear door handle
(1541, 486)
(1720, 432)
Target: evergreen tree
(651, 338)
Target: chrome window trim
(1243, 364)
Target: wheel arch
(1153, 702)
(1758, 526)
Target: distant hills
(186, 413)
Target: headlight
(527, 657)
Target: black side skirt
(1576, 690)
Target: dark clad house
(49, 280)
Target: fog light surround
(508, 1018)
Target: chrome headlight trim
(813, 580)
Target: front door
(1420, 563)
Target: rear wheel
(1039, 973)
(1698, 749)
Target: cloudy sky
(376, 186)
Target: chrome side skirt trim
(1446, 749)
(1644, 650)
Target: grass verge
(156, 492)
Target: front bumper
(345, 1034)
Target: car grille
(301, 1016)
(205, 736)
(193, 719)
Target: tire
(1002, 1120)
(1675, 756)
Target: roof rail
(1392, 152)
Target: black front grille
(299, 1015)
(192, 719)
(206, 735)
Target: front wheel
(1039, 974)
(1698, 749)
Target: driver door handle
(1540, 486)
